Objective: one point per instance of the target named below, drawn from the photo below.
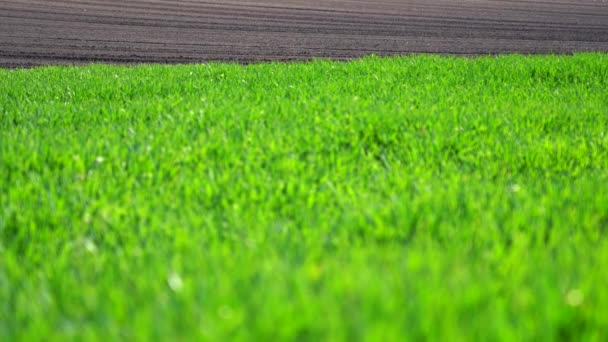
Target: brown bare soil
(37, 32)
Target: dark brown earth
(34, 32)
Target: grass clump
(386, 198)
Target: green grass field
(381, 199)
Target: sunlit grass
(385, 198)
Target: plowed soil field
(35, 32)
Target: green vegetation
(420, 197)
